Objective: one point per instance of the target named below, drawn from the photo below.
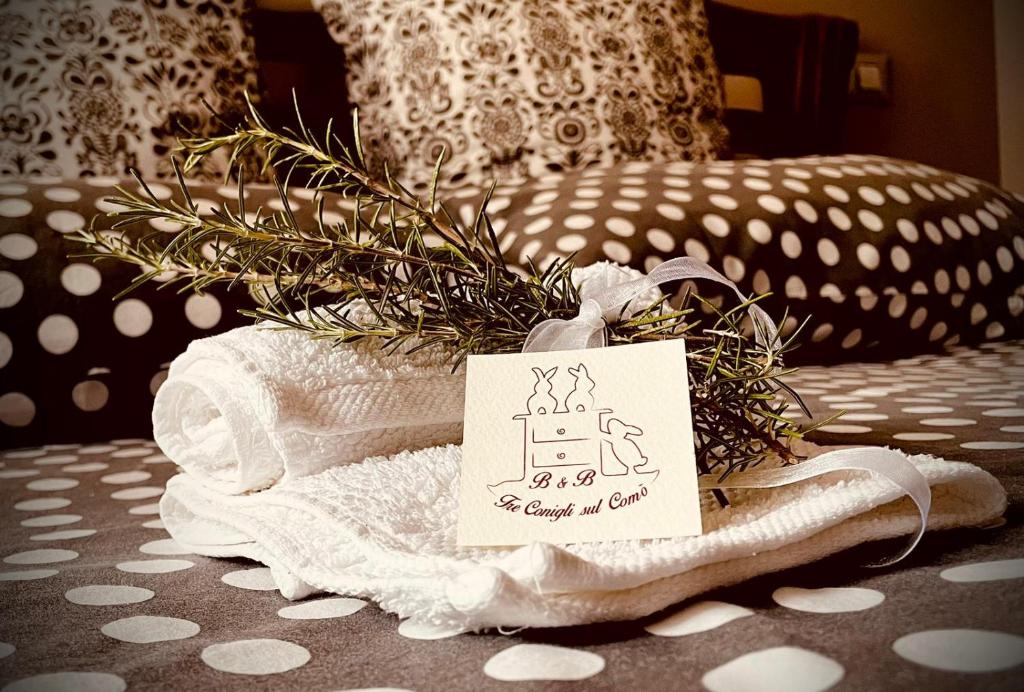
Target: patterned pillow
(888, 258)
(94, 87)
(510, 88)
(78, 363)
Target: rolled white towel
(245, 409)
(386, 529)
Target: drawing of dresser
(567, 439)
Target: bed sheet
(90, 582)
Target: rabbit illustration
(542, 401)
(625, 449)
(581, 397)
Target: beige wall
(1009, 22)
(943, 109)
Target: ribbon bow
(588, 328)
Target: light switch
(869, 81)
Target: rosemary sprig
(423, 279)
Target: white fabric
(245, 409)
(385, 529)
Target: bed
(910, 277)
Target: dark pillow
(75, 363)
(886, 257)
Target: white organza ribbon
(887, 463)
(587, 329)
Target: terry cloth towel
(386, 529)
(256, 405)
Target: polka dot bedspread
(95, 596)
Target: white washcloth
(385, 529)
(253, 406)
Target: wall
(943, 109)
(1009, 21)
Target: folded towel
(385, 529)
(256, 405)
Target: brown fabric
(971, 396)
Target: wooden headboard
(802, 64)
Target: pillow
(510, 88)
(76, 363)
(888, 258)
(96, 87)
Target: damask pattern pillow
(511, 88)
(94, 87)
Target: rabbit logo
(572, 440)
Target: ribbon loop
(587, 329)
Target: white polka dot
(837, 193)
(524, 662)
(806, 211)
(716, 225)
(670, 211)
(152, 508)
(798, 173)
(80, 279)
(839, 219)
(626, 205)
(6, 649)
(57, 334)
(90, 395)
(153, 524)
(15, 188)
(795, 287)
(69, 682)
(616, 251)
(699, 617)
(323, 608)
(900, 258)
(42, 504)
(620, 226)
(822, 332)
(132, 317)
(67, 535)
(578, 222)
(27, 574)
(661, 240)
(868, 255)
(948, 422)
(992, 445)
(764, 185)
(154, 566)
(164, 546)
(13, 208)
(716, 183)
(538, 225)
(254, 579)
(17, 246)
(828, 252)
(203, 311)
(633, 192)
(124, 477)
(760, 231)
(64, 221)
(997, 570)
(694, 248)
(146, 629)
(723, 202)
(6, 349)
(97, 449)
(933, 232)
(62, 194)
(827, 600)
(779, 669)
(11, 289)
(43, 556)
(139, 493)
(733, 268)
(132, 453)
(987, 219)
(951, 228)
(255, 656)
(898, 194)
(962, 650)
(795, 186)
(771, 203)
(108, 595)
(922, 436)
(19, 473)
(845, 429)
(791, 246)
(870, 220)
(48, 484)
(571, 242)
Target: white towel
(385, 529)
(256, 405)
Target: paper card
(574, 446)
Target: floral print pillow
(95, 87)
(515, 88)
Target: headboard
(801, 63)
